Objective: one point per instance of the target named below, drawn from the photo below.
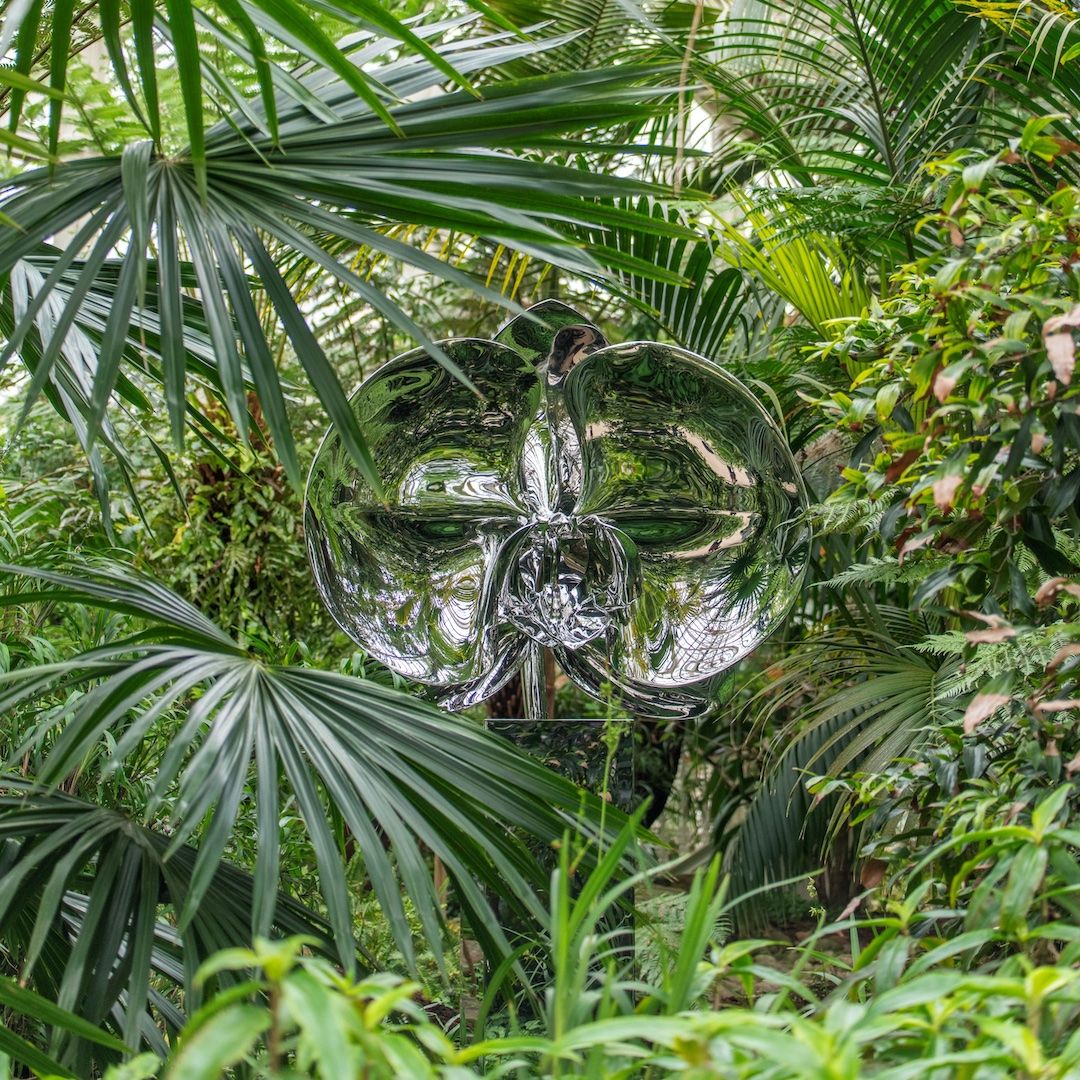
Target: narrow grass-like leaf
(28, 16)
(186, 46)
(142, 27)
(59, 44)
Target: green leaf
(27, 1054)
(142, 25)
(24, 18)
(16, 80)
(110, 19)
(263, 68)
(1042, 817)
(30, 1004)
(60, 43)
(290, 19)
(393, 768)
(1025, 879)
(189, 66)
(224, 1040)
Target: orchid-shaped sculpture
(632, 507)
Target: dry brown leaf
(1060, 347)
(897, 467)
(983, 617)
(851, 908)
(1048, 590)
(945, 491)
(872, 874)
(1062, 655)
(1072, 766)
(989, 637)
(982, 707)
(1058, 705)
(914, 543)
(943, 385)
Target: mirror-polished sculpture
(631, 507)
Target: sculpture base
(598, 755)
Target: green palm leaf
(84, 904)
(341, 180)
(856, 695)
(392, 767)
(32, 1007)
(600, 32)
(59, 342)
(863, 89)
(704, 302)
(806, 270)
(248, 31)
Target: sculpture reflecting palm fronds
(632, 507)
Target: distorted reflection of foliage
(631, 507)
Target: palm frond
(807, 270)
(600, 32)
(318, 179)
(857, 88)
(392, 768)
(59, 342)
(704, 302)
(252, 33)
(88, 909)
(857, 695)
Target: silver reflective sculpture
(632, 507)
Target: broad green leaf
(224, 1040)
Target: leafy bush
(889, 995)
(966, 388)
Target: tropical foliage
(231, 844)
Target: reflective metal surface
(630, 506)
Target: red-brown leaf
(1048, 590)
(1060, 347)
(1062, 655)
(1058, 705)
(989, 637)
(873, 873)
(982, 707)
(945, 491)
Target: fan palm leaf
(47, 34)
(88, 906)
(34, 1008)
(317, 180)
(68, 386)
(393, 768)
(856, 695)
(701, 300)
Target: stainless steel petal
(684, 465)
(632, 507)
(413, 578)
